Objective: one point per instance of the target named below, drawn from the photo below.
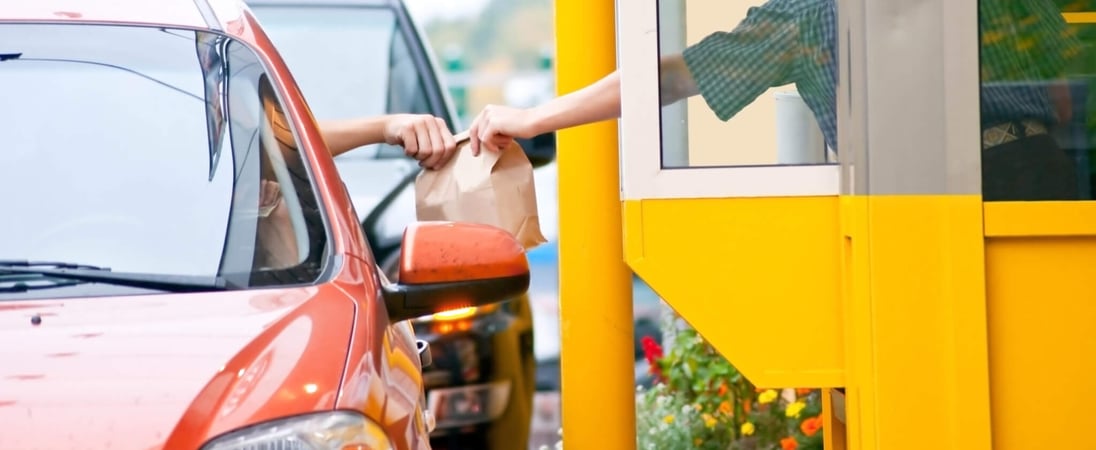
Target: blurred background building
(493, 51)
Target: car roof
(208, 14)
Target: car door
(361, 59)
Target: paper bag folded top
(494, 188)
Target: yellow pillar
(598, 386)
(915, 318)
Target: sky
(428, 10)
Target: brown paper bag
(493, 189)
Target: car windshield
(150, 150)
(347, 61)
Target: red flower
(789, 443)
(653, 352)
(651, 349)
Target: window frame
(642, 173)
(325, 261)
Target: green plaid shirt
(1025, 46)
(794, 41)
(779, 42)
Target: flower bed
(700, 401)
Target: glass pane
(337, 55)
(1036, 76)
(1078, 138)
(144, 176)
(757, 78)
(340, 58)
(287, 234)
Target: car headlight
(336, 430)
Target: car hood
(121, 372)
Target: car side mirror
(450, 265)
(540, 149)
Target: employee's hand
(496, 127)
(423, 137)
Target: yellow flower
(748, 429)
(794, 409)
(697, 442)
(696, 406)
(767, 397)
(668, 419)
(709, 421)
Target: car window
(348, 62)
(405, 91)
(151, 150)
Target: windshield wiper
(25, 282)
(95, 274)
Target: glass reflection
(1029, 103)
(180, 135)
(771, 67)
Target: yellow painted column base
(915, 308)
(1040, 277)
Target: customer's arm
(423, 137)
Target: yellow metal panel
(1042, 307)
(885, 295)
(1080, 17)
(594, 283)
(917, 354)
(1040, 219)
(860, 399)
(758, 277)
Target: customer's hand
(423, 137)
(277, 242)
(496, 127)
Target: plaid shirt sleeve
(733, 68)
(1024, 40)
(1075, 5)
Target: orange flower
(722, 389)
(746, 406)
(811, 426)
(725, 408)
(789, 443)
(803, 391)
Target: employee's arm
(594, 103)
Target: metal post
(596, 324)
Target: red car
(180, 265)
